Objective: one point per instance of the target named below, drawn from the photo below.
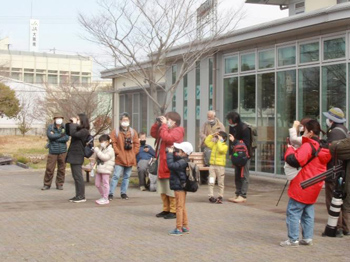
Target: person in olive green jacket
(57, 145)
(217, 143)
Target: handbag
(153, 166)
(291, 172)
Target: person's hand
(146, 149)
(296, 124)
(231, 137)
(163, 119)
(74, 120)
(170, 149)
(219, 138)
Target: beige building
(40, 68)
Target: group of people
(124, 148)
(311, 156)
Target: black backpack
(89, 144)
(240, 154)
(192, 181)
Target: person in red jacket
(300, 209)
(167, 131)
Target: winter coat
(241, 132)
(334, 134)
(341, 149)
(167, 136)
(125, 157)
(208, 129)
(75, 153)
(218, 151)
(143, 155)
(299, 157)
(57, 139)
(105, 159)
(177, 166)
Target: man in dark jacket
(146, 152)
(336, 131)
(239, 131)
(57, 145)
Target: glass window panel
(74, 79)
(230, 94)
(286, 56)
(16, 76)
(248, 62)
(64, 79)
(39, 78)
(267, 59)
(121, 103)
(333, 88)
(136, 111)
(247, 104)
(52, 79)
(309, 52)
(266, 122)
(309, 93)
(210, 83)
(334, 48)
(185, 96)
(285, 113)
(231, 65)
(28, 78)
(198, 102)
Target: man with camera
(126, 146)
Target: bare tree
(69, 100)
(25, 116)
(146, 38)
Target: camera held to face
(127, 143)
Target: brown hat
(57, 115)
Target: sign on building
(34, 35)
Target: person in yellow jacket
(217, 143)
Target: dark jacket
(142, 155)
(240, 132)
(299, 157)
(75, 153)
(335, 134)
(177, 167)
(57, 139)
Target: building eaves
(37, 54)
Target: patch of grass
(23, 160)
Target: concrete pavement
(43, 226)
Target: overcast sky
(59, 27)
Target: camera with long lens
(127, 143)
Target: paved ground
(43, 226)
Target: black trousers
(78, 180)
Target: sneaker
(170, 216)
(59, 187)
(240, 199)
(162, 214)
(212, 199)
(98, 200)
(306, 242)
(72, 199)
(142, 188)
(339, 233)
(124, 196)
(176, 232)
(45, 188)
(289, 243)
(346, 233)
(219, 200)
(232, 199)
(79, 200)
(110, 197)
(102, 201)
(185, 230)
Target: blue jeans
(126, 170)
(304, 213)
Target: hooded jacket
(177, 166)
(58, 139)
(218, 151)
(318, 165)
(105, 158)
(167, 137)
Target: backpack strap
(131, 131)
(314, 154)
(342, 130)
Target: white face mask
(78, 122)
(58, 121)
(211, 121)
(104, 144)
(125, 124)
(328, 122)
(301, 129)
(169, 123)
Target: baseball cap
(184, 146)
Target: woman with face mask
(58, 138)
(78, 129)
(167, 131)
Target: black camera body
(127, 143)
(158, 119)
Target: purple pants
(102, 184)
